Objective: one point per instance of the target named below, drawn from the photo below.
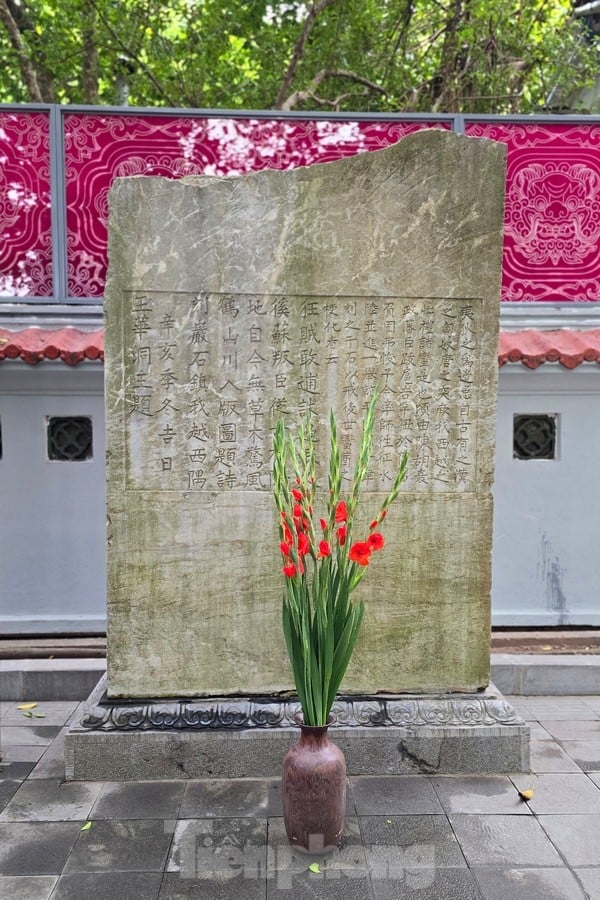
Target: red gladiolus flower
(303, 544)
(360, 553)
(324, 549)
(341, 512)
(289, 571)
(297, 511)
(287, 535)
(341, 535)
(285, 548)
(296, 494)
(323, 524)
(375, 541)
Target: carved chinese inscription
(208, 376)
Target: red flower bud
(303, 544)
(285, 548)
(297, 511)
(296, 494)
(373, 524)
(375, 541)
(341, 512)
(324, 549)
(359, 553)
(323, 524)
(287, 535)
(341, 535)
(289, 571)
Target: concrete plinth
(247, 737)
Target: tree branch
(26, 66)
(309, 93)
(134, 58)
(298, 50)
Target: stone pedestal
(236, 737)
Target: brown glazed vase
(314, 790)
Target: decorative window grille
(69, 438)
(534, 436)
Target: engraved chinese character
(196, 479)
(167, 434)
(197, 432)
(167, 323)
(227, 433)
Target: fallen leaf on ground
(27, 706)
(87, 826)
(314, 867)
(526, 795)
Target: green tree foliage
(474, 56)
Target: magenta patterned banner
(100, 148)
(552, 219)
(552, 214)
(25, 236)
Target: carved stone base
(226, 737)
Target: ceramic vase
(314, 790)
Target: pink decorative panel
(552, 216)
(102, 147)
(25, 238)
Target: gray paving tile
(281, 857)
(560, 792)
(336, 885)
(218, 848)
(36, 848)
(528, 884)
(174, 887)
(549, 756)
(418, 841)
(538, 733)
(18, 770)
(52, 762)
(398, 795)
(590, 879)
(428, 884)
(576, 837)
(138, 800)
(275, 801)
(105, 885)
(579, 729)
(8, 788)
(479, 794)
(45, 713)
(504, 841)
(27, 887)
(27, 735)
(222, 798)
(585, 753)
(51, 801)
(21, 752)
(541, 709)
(141, 845)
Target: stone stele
(234, 302)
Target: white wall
(52, 514)
(52, 534)
(547, 512)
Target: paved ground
(419, 837)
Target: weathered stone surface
(231, 302)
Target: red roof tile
(67, 344)
(532, 347)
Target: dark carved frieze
(460, 711)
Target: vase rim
(299, 720)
